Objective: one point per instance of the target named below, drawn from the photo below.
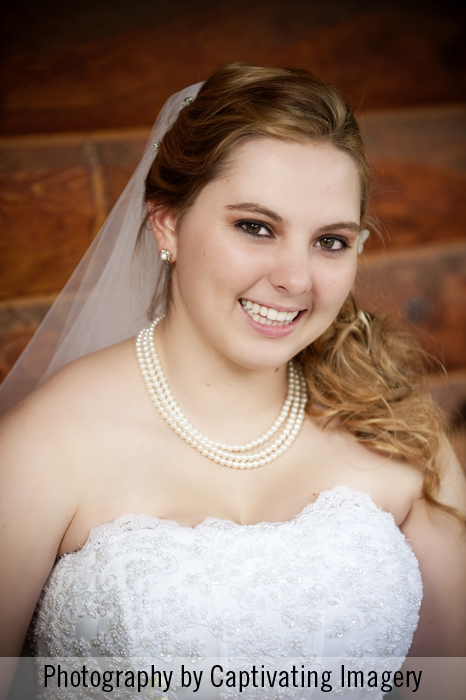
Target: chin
(260, 357)
(271, 352)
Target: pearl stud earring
(165, 255)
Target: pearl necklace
(291, 414)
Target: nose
(291, 271)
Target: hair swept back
(361, 371)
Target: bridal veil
(107, 297)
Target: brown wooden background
(83, 81)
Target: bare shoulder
(452, 493)
(45, 444)
(439, 543)
(50, 421)
(51, 435)
(96, 374)
(77, 385)
(453, 479)
(393, 484)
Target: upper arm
(37, 502)
(439, 543)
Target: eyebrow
(348, 225)
(258, 209)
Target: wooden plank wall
(104, 64)
(78, 106)
(56, 191)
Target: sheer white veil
(107, 297)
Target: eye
(254, 228)
(332, 243)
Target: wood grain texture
(46, 215)
(55, 193)
(425, 287)
(91, 65)
(57, 190)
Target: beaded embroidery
(338, 579)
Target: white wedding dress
(338, 581)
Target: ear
(163, 223)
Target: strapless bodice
(338, 580)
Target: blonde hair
(360, 371)
(370, 375)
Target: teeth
(268, 316)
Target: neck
(223, 400)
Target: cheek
(230, 268)
(204, 269)
(335, 284)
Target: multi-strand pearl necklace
(291, 416)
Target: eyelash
(344, 244)
(242, 224)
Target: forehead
(289, 176)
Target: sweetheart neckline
(166, 523)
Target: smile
(267, 315)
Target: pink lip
(271, 331)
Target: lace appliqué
(337, 580)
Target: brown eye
(251, 227)
(254, 228)
(333, 244)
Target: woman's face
(267, 254)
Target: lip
(272, 331)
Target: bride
(267, 437)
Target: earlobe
(163, 224)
